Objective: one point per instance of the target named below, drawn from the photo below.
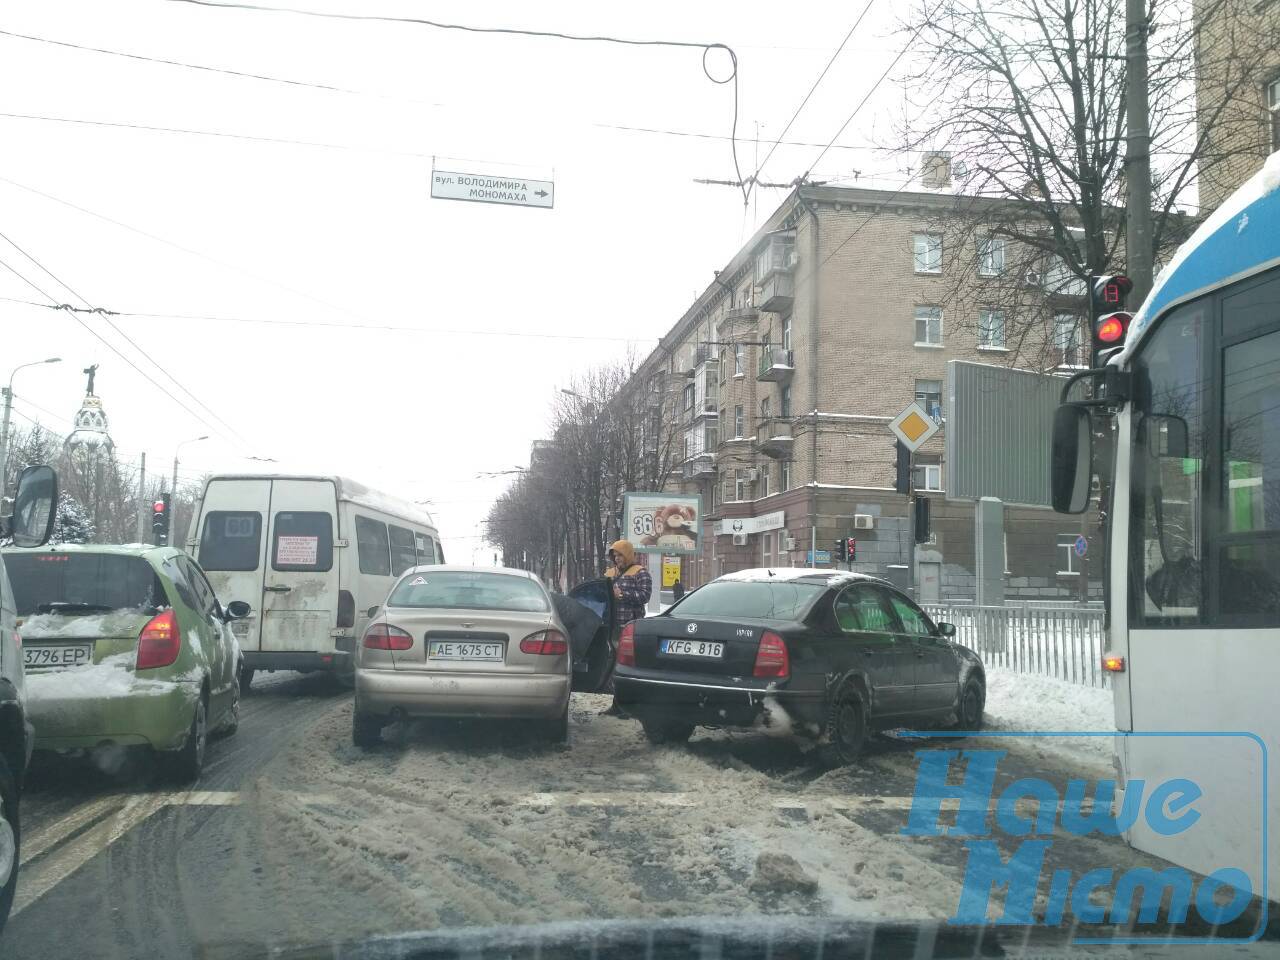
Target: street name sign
(913, 426)
(481, 188)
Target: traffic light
(160, 520)
(1110, 319)
(851, 550)
(841, 555)
(902, 468)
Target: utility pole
(8, 409)
(142, 500)
(1138, 151)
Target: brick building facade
(782, 378)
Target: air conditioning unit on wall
(753, 474)
(739, 539)
(864, 521)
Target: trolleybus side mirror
(1072, 460)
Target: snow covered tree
(73, 523)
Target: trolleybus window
(1167, 472)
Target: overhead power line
(129, 340)
(861, 103)
(101, 339)
(755, 176)
(223, 70)
(706, 48)
(191, 131)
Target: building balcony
(738, 320)
(774, 439)
(694, 358)
(776, 293)
(776, 364)
(701, 466)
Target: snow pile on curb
(1022, 701)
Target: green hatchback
(125, 646)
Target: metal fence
(1062, 642)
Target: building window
(929, 396)
(928, 253)
(766, 408)
(786, 333)
(688, 397)
(1067, 341)
(764, 481)
(991, 256)
(786, 474)
(738, 421)
(1273, 105)
(737, 359)
(724, 370)
(784, 406)
(740, 484)
(929, 325)
(928, 476)
(711, 436)
(766, 549)
(991, 329)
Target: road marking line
(54, 834)
(61, 863)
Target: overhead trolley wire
(706, 48)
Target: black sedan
(839, 654)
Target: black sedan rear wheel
(667, 731)
(845, 730)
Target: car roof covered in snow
(811, 574)
(147, 550)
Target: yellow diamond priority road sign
(913, 426)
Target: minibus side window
(402, 557)
(373, 547)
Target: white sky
(351, 236)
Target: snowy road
(296, 837)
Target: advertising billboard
(663, 522)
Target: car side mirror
(946, 630)
(238, 610)
(373, 611)
(34, 507)
(1071, 465)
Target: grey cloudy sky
(504, 302)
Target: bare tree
(1027, 97)
(610, 434)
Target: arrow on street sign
(913, 426)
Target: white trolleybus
(1192, 402)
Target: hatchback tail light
(160, 641)
(383, 636)
(772, 658)
(627, 646)
(545, 643)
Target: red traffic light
(1112, 328)
(158, 506)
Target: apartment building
(1237, 91)
(783, 375)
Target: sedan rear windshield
(82, 583)
(758, 599)
(462, 590)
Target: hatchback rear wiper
(73, 608)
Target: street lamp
(8, 407)
(174, 486)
